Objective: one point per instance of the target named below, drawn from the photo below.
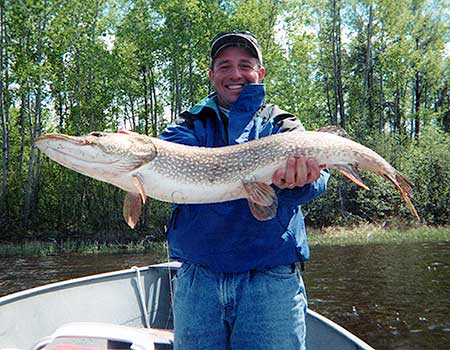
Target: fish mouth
(71, 150)
(88, 154)
(76, 140)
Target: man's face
(233, 68)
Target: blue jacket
(225, 236)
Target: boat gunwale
(16, 296)
(339, 329)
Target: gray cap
(239, 39)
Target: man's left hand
(299, 171)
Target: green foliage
(425, 164)
(428, 168)
(82, 65)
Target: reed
(38, 248)
(382, 234)
(332, 235)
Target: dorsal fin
(333, 129)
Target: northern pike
(146, 166)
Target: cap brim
(235, 40)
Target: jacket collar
(249, 101)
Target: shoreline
(332, 235)
(377, 234)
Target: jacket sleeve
(181, 132)
(304, 194)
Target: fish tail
(404, 186)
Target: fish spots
(215, 172)
(213, 166)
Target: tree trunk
(155, 104)
(399, 112)
(367, 69)
(337, 63)
(341, 201)
(24, 108)
(332, 116)
(145, 94)
(335, 88)
(150, 99)
(91, 77)
(381, 103)
(4, 121)
(176, 90)
(32, 182)
(60, 99)
(133, 114)
(271, 21)
(191, 66)
(382, 120)
(417, 106)
(444, 100)
(30, 173)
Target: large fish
(145, 166)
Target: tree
(376, 67)
(3, 111)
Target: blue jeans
(259, 310)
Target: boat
(127, 307)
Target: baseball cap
(239, 39)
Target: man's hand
(299, 171)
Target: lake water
(391, 296)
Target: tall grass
(369, 233)
(332, 235)
(37, 248)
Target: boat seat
(117, 336)
(162, 336)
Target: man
(238, 287)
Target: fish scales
(215, 165)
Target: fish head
(100, 155)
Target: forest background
(378, 68)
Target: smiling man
(239, 286)
(231, 70)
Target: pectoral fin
(350, 172)
(132, 207)
(262, 200)
(261, 212)
(260, 193)
(137, 181)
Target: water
(392, 296)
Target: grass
(37, 248)
(369, 233)
(333, 235)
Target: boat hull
(136, 297)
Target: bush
(429, 169)
(425, 163)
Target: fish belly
(167, 189)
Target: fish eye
(97, 134)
